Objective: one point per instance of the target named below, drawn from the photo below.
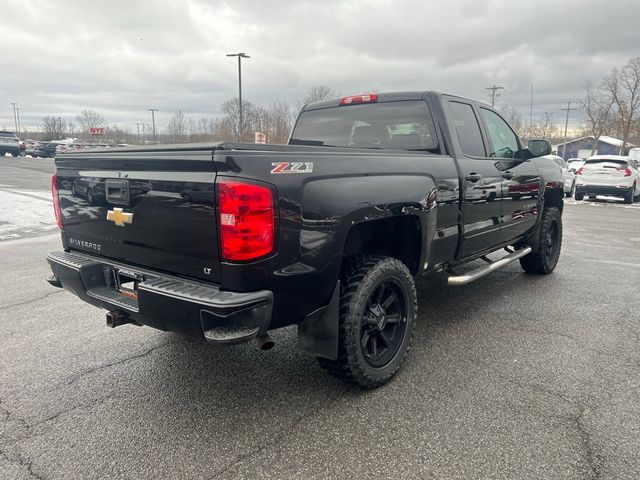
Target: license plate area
(125, 282)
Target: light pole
(153, 122)
(240, 56)
(15, 118)
(18, 118)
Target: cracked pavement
(514, 376)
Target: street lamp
(15, 118)
(240, 56)
(153, 122)
(18, 118)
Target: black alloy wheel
(378, 310)
(384, 323)
(552, 243)
(545, 258)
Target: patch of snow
(25, 211)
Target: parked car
(328, 233)
(568, 176)
(613, 175)
(574, 164)
(9, 143)
(45, 149)
(30, 147)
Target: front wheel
(545, 259)
(578, 196)
(378, 309)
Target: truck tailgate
(155, 209)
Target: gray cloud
(123, 57)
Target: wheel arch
(400, 237)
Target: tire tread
(346, 367)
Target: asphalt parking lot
(514, 376)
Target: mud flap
(318, 333)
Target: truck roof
(384, 97)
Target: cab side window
(504, 141)
(468, 129)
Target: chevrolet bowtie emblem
(119, 217)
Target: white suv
(609, 175)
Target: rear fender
(334, 207)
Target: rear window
(405, 125)
(593, 161)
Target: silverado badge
(119, 217)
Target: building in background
(584, 146)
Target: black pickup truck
(227, 241)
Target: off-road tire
(544, 260)
(361, 277)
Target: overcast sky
(121, 58)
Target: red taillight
(56, 200)
(625, 170)
(246, 220)
(367, 98)
(580, 170)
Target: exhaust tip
(264, 342)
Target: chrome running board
(493, 265)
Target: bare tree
(53, 127)
(177, 127)
(89, 119)
(71, 127)
(544, 127)
(623, 85)
(278, 120)
(598, 110)
(513, 118)
(224, 129)
(250, 118)
(317, 93)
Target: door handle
(507, 175)
(473, 177)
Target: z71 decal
(292, 167)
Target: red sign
(260, 138)
(96, 130)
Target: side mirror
(539, 148)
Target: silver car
(609, 175)
(568, 176)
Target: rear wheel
(572, 191)
(628, 197)
(545, 259)
(378, 308)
